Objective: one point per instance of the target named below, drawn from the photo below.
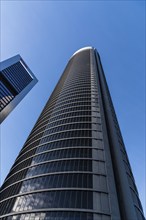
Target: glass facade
(66, 170)
(16, 80)
(5, 96)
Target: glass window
(57, 181)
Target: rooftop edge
(82, 49)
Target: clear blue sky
(47, 33)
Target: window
(61, 166)
(54, 199)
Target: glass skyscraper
(74, 164)
(16, 80)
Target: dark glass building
(16, 80)
(74, 164)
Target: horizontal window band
(52, 150)
(51, 141)
(25, 146)
(76, 94)
(54, 127)
(73, 122)
(64, 118)
(53, 173)
(67, 122)
(69, 109)
(60, 132)
(60, 125)
(57, 160)
(52, 190)
(48, 142)
(72, 88)
(73, 92)
(57, 209)
(48, 117)
(77, 97)
(71, 106)
(49, 121)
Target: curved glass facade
(65, 169)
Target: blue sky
(47, 33)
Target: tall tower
(74, 165)
(16, 80)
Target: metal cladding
(74, 165)
(16, 80)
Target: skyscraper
(16, 80)
(74, 163)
